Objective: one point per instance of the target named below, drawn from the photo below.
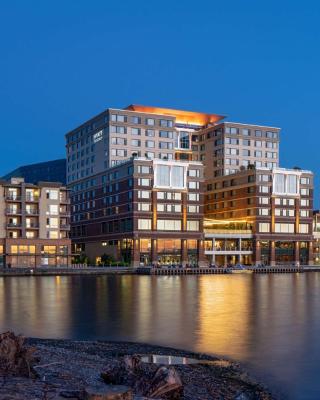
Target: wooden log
(165, 382)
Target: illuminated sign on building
(97, 136)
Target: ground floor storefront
(145, 251)
(248, 250)
(25, 253)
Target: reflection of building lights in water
(223, 310)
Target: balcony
(13, 197)
(13, 211)
(32, 212)
(13, 225)
(32, 226)
(32, 198)
(65, 227)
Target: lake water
(269, 323)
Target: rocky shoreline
(83, 369)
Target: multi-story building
(316, 237)
(34, 224)
(117, 134)
(48, 171)
(234, 158)
(260, 216)
(227, 147)
(142, 212)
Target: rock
(70, 394)
(166, 382)
(16, 358)
(108, 392)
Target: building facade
(35, 224)
(141, 212)
(243, 215)
(260, 216)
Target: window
(177, 176)
(160, 207)
(193, 209)
(192, 225)
(170, 176)
(231, 130)
(136, 120)
(303, 228)
(144, 224)
(304, 213)
(305, 181)
(118, 129)
(166, 123)
(304, 203)
(166, 134)
(258, 133)
(246, 152)
(150, 154)
(246, 132)
(193, 196)
(149, 132)
(135, 143)
(285, 183)
(193, 185)
(144, 194)
(169, 225)
(144, 182)
(246, 142)
(53, 235)
(150, 143)
(258, 143)
(165, 145)
(263, 200)
(144, 207)
(258, 153)
(119, 152)
(53, 209)
(195, 173)
(150, 121)
(118, 140)
(52, 194)
(118, 118)
(264, 189)
(284, 228)
(264, 227)
(52, 222)
(263, 211)
(304, 192)
(135, 131)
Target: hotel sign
(97, 136)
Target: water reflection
(270, 322)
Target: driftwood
(15, 357)
(164, 383)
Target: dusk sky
(65, 61)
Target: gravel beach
(65, 368)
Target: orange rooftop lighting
(183, 117)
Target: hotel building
(221, 178)
(34, 228)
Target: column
(240, 249)
(136, 253)
(154, 252)
(272, 253)
(202, 260)
(310, 253)
(184, 252)
(257, 252)
(296, 254)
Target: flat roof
(182, 116)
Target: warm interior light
(184, 117)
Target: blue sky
(63, 61)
